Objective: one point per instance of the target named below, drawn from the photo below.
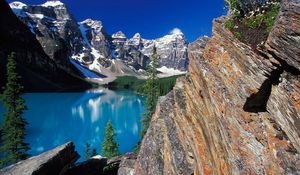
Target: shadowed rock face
(55, 28)
(52, 162)
(236, 112)
(121, 165)
(286, 32)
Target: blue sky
(151, 18)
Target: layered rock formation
(55, 161)
(286, 32)
(236, 112)
(38, 71)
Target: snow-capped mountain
(55, 28)
(38, 71)
(87, 43)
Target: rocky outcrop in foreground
(55, 161)
(62, 161)
(122, 165)
(236, 112)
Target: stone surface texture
(286, 32)
(38, 71)
(236, 112)
(55, 161)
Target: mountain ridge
(87, 42)
(38, 71)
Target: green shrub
(239, 36)
(233, 6)
(229, 24)
(254, 22)
(267, 18)
(242, 8)
(271, 16)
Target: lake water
(56, 118)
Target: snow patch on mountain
(167, 72)
(96, 66)
(92, 24)
(39, 16)
(17, 5)
(52, 3)
(85, 71)
(119, 35)
(17, 8)
(96, 53)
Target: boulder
(55, 161)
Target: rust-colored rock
(236, 112)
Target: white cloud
(176, 31)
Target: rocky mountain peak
(137, 36)
(119, 35)
(93, 24)
(17, 5)
(53, 3)
(62, 38)
(175, 34)
(54, 26)
(135, 40)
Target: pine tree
(87, 151)
(13, 147)
(94, 152)
(110, 146)
(152, 91)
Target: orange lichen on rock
(236, 112)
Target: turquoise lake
(56, 118)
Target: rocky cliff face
(236, 112)
(172, 49)
(38, 71)
(54, 27)
(89, 45)
(287, 32)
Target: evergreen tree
(110, 146)
(87, 151)
(13, 148)
(94, 152)
(151, 90)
